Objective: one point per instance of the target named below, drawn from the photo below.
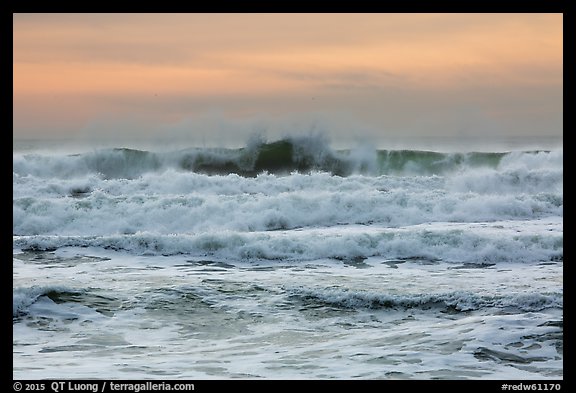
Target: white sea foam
(502, 241)
(176, 202)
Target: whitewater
(287, 260)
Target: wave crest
(291, 154)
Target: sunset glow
(382, 70)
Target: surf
(301, 154)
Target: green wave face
(291, 154)
(432, 163)
(286, 156)
(279, 157)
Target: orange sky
(389, 74)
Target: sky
(222, 77)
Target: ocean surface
(287, 259)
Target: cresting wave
(23, 298)
(292, 154)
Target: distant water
(288, 260)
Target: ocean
(288, 259)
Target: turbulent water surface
(288, 260)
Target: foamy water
(288, 260)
